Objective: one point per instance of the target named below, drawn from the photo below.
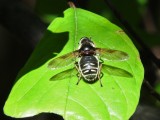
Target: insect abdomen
(89, 67)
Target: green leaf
(34, 93)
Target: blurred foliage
(50, 9)
(142, 2)
(157, 87)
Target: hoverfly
(88, 61)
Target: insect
(88, 62)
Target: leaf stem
(71, 4)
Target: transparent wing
(109, 54)
(65, 74)
(63, 60)
(115, 71)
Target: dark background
(23, 22)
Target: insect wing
(109, 54)
(65, 74)
(63, 61)
(115, 71)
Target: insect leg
(79, 74)
(99, 73)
